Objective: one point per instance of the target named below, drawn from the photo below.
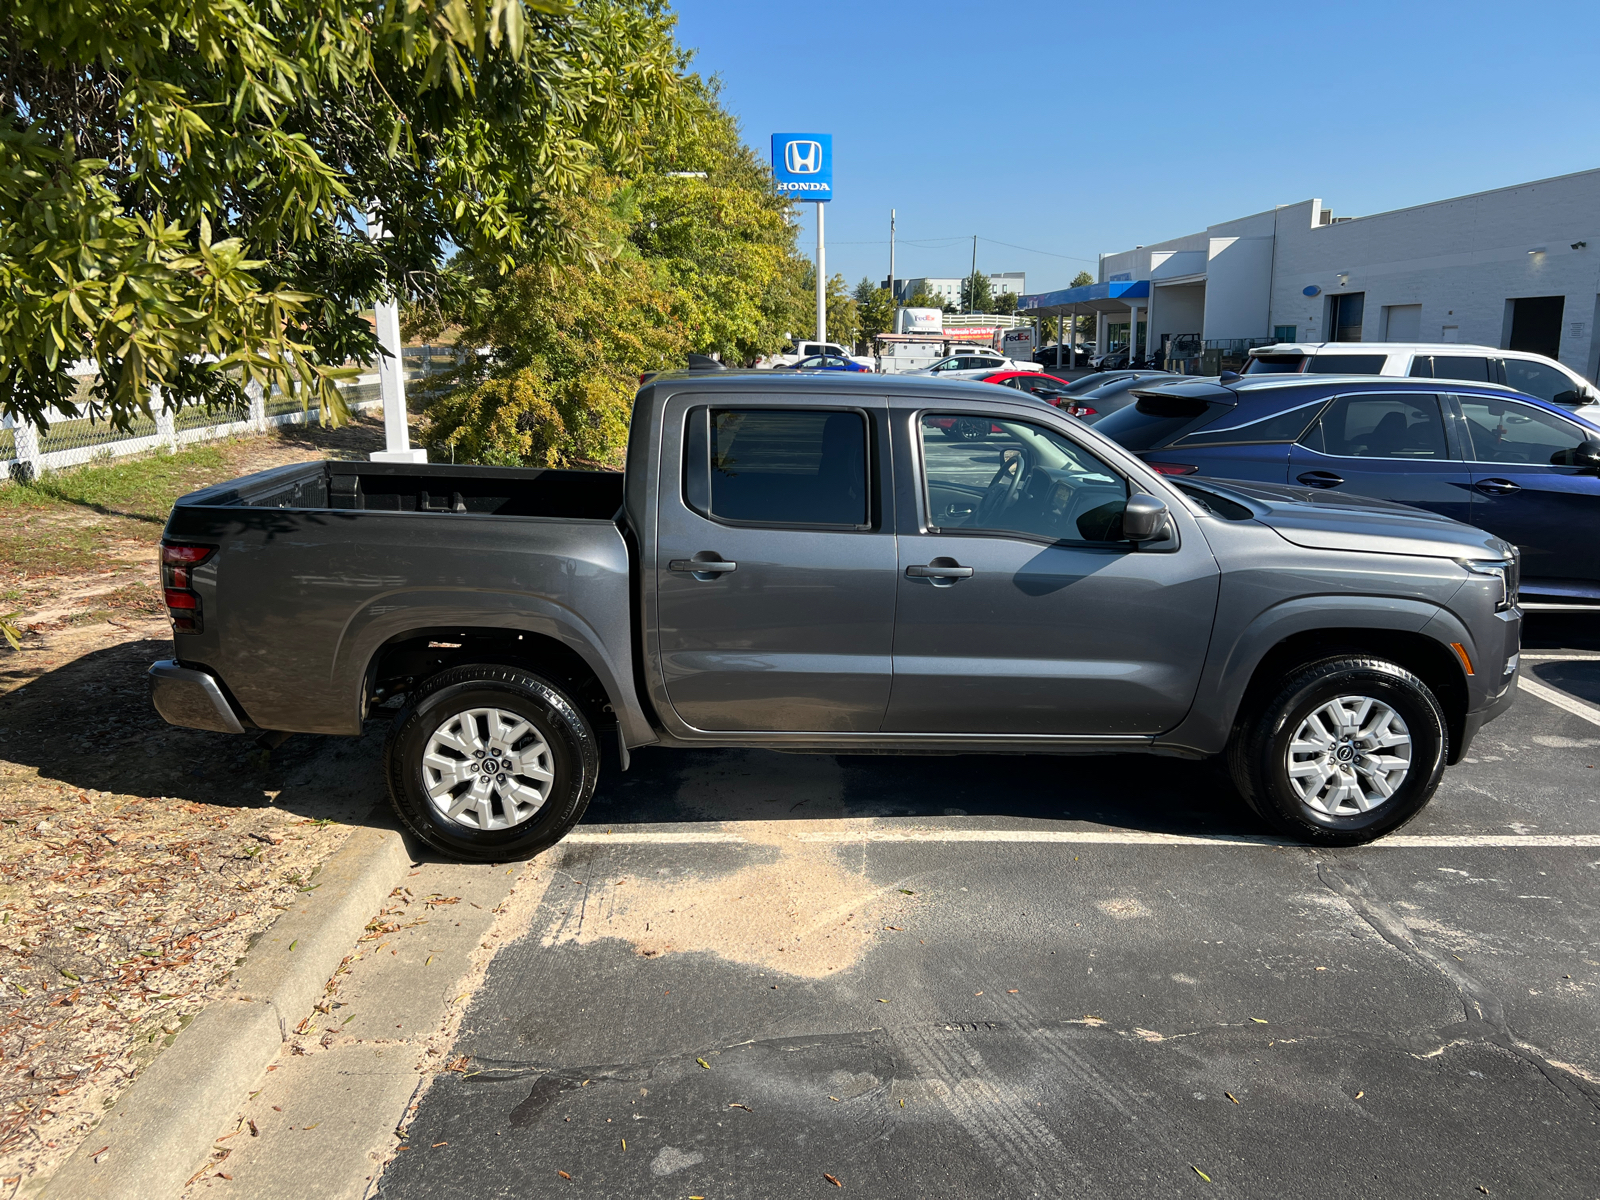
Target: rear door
(775, 566)
(1021, 610)
(1550, 511)
(1388, 445)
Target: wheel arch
(1428, 659)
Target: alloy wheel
(1349, 755)
(487, 768)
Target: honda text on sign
(802, 163)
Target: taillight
(177, 581)
(1172, 468)
(1078, 410)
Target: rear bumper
(191, 698)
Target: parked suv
(1531, 374)
(1519, 467)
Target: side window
(1381, 426)
(1541, 380)
(1346, 364)
(767, 466)
(1449, 366)
(1023, 480)
(1504, 431)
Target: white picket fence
(26, 451)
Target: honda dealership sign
(803, 165)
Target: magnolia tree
(185, 186)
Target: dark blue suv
(1521, 468)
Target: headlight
(1505, 572)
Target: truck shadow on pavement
(1122, 791)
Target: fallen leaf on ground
(1200, 1173)
(746, 1107)
(831, 1179)
(254, 1132)
(907, 892)
(436, 1145)
(1231, 1096)
(563, 1175)
(1359, 1095)
(1011, 991)
(1258, 1020)
(703, 1063)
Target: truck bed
(430, 488)
(326, 580)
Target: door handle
(1321, 479)
(702, 569)
(1496, 487)
(938, 572)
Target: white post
(392, 377)
(166, 427)
(822, 281)
(258, 404)
(26, 468)
(1060, 327)
(892, 292)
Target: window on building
(1285, 333)
(1536, 325)
(775, 467)
(1381, 426)
(1345, 313)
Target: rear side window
(1461, 366)
(778, 467)
(1381, 426)
(1279, 427)
(1275, 364)
(1156, 421)
(1346, 364)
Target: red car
(1034, 383)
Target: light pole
(893, 296)
(822, 280)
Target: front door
(1388, 445)
(775, 571)
(1022, 611)
(1523, 492)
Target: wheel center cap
(1345, 753)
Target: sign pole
(893, 293)
(822, 281)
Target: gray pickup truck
(833, 564)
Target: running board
(1537, 606)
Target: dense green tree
(874, 309)
(1005, 303)
(976, 294)
(183, 181)
(844, 318)
(1081, 279)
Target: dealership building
(1517, 267)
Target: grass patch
(134, 487)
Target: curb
(161, 1128)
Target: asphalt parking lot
(757, 974)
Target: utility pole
(822, 280)
(972, 292)
(893, 295)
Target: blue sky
(1075, 129)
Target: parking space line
(1559, 656)
(1550, 695)
(1092, 837)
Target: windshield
(1157, 421)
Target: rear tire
(540, 752)
(1345, 751)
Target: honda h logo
(803, 158)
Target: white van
(1531, 374)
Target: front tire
(1345, 751)
(489, 763)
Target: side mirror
(1586, 455)
(1144, 518)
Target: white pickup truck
(800, 350)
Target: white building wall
(1461, 260)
